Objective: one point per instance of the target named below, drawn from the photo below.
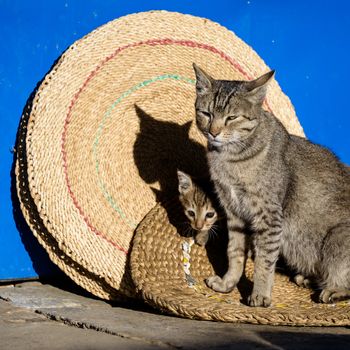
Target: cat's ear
(204, 82)
(256, 89)
(185, 182)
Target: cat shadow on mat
(162, 147)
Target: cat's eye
(210, 214)
(230, 118)
(206, 114)
(191, 213)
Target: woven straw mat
(81, 276)
(108, 127)
(173, 281)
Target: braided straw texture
(110, 124)
(158, 273)
(79, 274)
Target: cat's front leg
(236, 253)
(302, 281)
(267, 242)
(201, 238)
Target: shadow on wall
(41, 262)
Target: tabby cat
(198, 208)
(293, 195)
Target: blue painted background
(307, 42)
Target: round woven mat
(158, 261)
(78, 273)
(111, 123)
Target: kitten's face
(227, 112)
(197, 205)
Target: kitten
(293, 195)
(197, 207)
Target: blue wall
(307, 42)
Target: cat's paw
(301, 281)
(256, 299)
(201, 238)
(330, 296)
(218, 284)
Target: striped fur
(292, 195)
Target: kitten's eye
(210, 214)
(191, 213)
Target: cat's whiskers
(213, 232)
(238, 144)
(188, 231)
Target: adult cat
(293, 195)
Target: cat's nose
(199, 225)
(214, 133)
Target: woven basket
(158, 261)
(108, 127)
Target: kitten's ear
(185, 182)
(256, 89)
(204, 82)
